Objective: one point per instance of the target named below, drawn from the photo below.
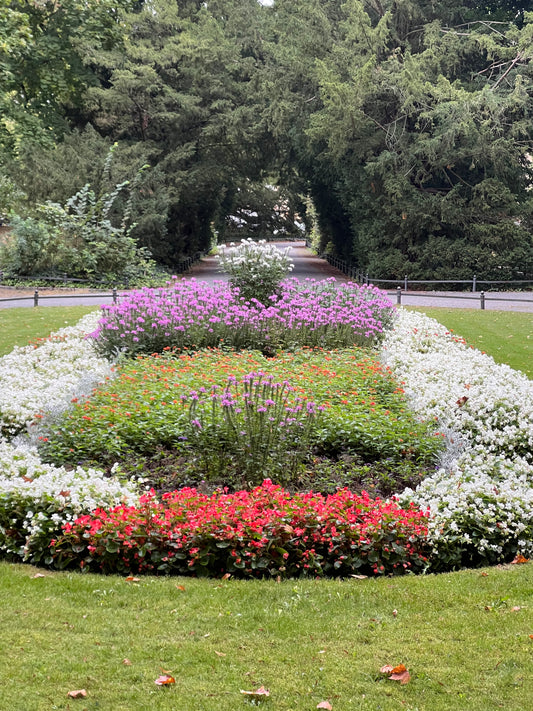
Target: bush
(265, 532)
(82, 238)
(255, 268)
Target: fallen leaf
(257, 693)
(399, 669)
(78, 694)
(387, 669)
(64, 493)
(226, 576)
(131, 579)
(531, 636)
(38, 575)
(484, 575)
(517, 608)
(181, 587)
(220, 654)
(462, 401)
(359, 577)
(403, 678)
(165, 680)
(325, 705)
(398, 673)
(519, 560)
(126, 662)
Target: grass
(19, 326)
(465, 637)
(461, 636)
(505, 335)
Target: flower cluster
(263, 532)
(255, 268)
(41, 379)
(342, 401)
(37, 499)
(481, 498)
(191, 314)
(262, 423)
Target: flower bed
(237, 417)
(41, 380)
(189, 315)
(263, 532)
(477, 504)
(481, 497)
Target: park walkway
(306, 266)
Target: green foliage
(164, 405)
(79, 239)
(407, 125)
(31, 247)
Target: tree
(425, 140)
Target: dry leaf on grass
(165, 680)
(398, 673)
(77, 694)
(126, 662)
(131, 579)
(325, 705)
(257, 694)
(519, 560)
(38, 575)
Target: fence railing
(363, 277)
(481, 298)
(181, 267)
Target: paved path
(306, 266)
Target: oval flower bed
(475, 507)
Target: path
(306, 266)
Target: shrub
(264, 532)
(255, 268)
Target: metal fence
(181, 267)
(472, 284)
(480, 299)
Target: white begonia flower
(484, 487)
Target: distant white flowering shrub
(255, 268)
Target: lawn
(19, 326)
(505, 335)
(466, 638)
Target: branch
(506, 72)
